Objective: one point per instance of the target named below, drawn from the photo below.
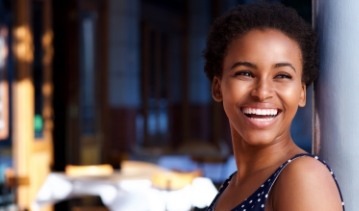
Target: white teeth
(263, 112)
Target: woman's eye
(283, 76)
(244, 74)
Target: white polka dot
(250, 201)
(262, 205)
(266, 195)
(316, 157)
(343, 203)
(259, 200)
(289, 160)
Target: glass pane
(87, 77)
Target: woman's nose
(262, 90)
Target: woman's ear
(303, 96)
(216, 89)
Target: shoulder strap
(220, 190)
(282, 167)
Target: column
(23, 94)
(176, 87)
(124, 74)
(336, 92)
(199, 96)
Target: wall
(336, 98)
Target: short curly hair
(244, 18)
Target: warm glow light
(23, 98)
(47, 89)
(88, 170)
(174, 180)
(23, 45)
(47, 46)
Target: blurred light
(23, 45)
(47, 46)
(38, 122)
(3, 47)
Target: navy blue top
(257, 201)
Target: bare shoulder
(306, 184)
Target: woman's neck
(251, 160)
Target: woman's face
(261, 86)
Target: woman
(260, 59)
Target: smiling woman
(269, 79)
(260, 58)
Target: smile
(261, 117)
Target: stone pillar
(199, 96)
(124, 74)
(336, 93)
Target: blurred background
(87, 82)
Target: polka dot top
(257, 201)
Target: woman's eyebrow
(241, 63)
(251, 65)
(285, 64)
